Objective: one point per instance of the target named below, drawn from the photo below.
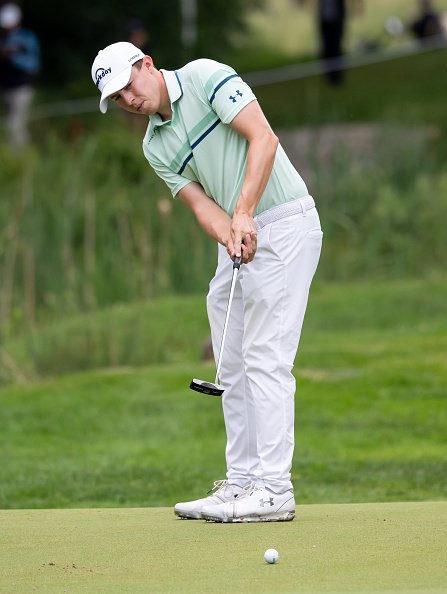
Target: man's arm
(210, 216)
(251, 123)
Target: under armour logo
(234, 99)
(263, 503)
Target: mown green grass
(385, 548)
(370, 422)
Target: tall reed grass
(88, 224)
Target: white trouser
(264, 329)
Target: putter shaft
(207, 387)
(236, 266)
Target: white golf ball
(271, 556)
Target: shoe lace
(218, 485)
(247, 490)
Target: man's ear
(148, 62)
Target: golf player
(209, 140)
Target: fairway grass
(373, 548)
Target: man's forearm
(252, 124)
(214, 221)
(211, 217)
(260, 160)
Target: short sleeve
(227, 93)
(174, 181)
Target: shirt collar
(173, 83)
(175, 91)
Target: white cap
(112, 67)
(10, 16)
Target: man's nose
(127, 97)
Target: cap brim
(113, 86)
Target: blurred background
(101, 269)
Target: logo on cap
(101, 73)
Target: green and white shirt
(199, 145)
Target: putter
(207, 387)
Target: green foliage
(370, 426)
(384, 218)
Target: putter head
(206, 387)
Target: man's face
(142, 92)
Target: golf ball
(271, 555)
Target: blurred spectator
(19, 66)
(331, 18)
(427, 24)
(139, 35)
(331, 25)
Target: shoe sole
(185, 516)
(285, 517)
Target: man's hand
(243, 237)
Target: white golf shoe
(222, 492)
(256, 504)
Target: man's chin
(142, 110)
(137, 111)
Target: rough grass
(371, 414)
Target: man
(427, 25)
(331, 17)
(19, 66)
(210, 142)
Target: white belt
(287, 209)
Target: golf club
(207, 387)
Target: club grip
(237, 261)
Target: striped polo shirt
(197, 144)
